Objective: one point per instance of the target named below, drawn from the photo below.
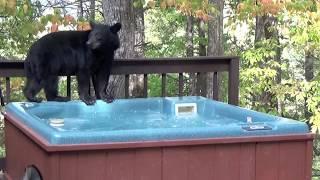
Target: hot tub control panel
(185, 109)
(255, 127)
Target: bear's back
(59, 52)
(63, 39)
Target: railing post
(233, 87)
(215, 93)
(126, 86)
(1, 96)
(145, 85)
(181, 84)
(163, 85)
(69, 87)
(8, 90)
(203, 79)
(199, 84)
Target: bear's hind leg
(51, 90)
(31, 89)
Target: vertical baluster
(69, 87)
(126, 84)
(215, 86)
(163, 85)
(198, 88)
(8, 90)
(1, 96)
(201, 83)
(203, 77)
(180, 84)
(145, 85)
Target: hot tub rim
(44, 144)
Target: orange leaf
(163, 4)
(11, 6)
(240, 7)
(151, 4)
(54, 28)
(265, 1)
(205, 17)
(171, 3)
(79, 27)
(86, 26)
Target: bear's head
(104, 37)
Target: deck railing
(162, 66)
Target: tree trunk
(266, 28)
(215, 41)
(259, 29)
(309, 75)
(215, 30)
(190, 52)
(121, 11)
(259, 35)
(189, 36)
(271, 32)
(136, 81)
(80, 10)
(139, 32)
(202, 37)
(309, 66)
(281, 104)
(92, 10)
(202, 51)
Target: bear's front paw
(89, 100)
(107, 98)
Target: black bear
(87, 54)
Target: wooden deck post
(233, 87)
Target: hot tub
(154, 138)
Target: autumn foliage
(9, 6)
(197, 8)
(261, 7)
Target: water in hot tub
(94, 118)
(133, 120)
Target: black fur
(87, 54)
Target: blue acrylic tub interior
(146, 119)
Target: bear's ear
(115, 28)
(92, 24)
